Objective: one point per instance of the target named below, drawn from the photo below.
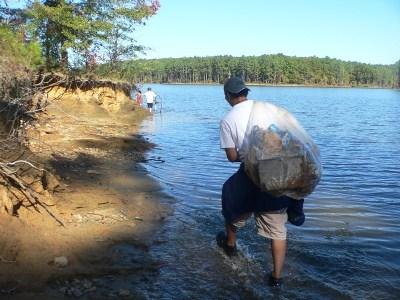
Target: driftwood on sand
(11, 180)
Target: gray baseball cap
(234, 85)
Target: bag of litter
(279, 156)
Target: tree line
(89, 36)
(265, 69)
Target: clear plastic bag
(279, 156)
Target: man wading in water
(241, 197)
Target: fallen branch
(21, 162)
(6, 261)
(29, 194)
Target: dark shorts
(241, 196)
(149, 105)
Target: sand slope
(99, 197)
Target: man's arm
(232, 154)
(227, 142)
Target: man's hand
(232, 154)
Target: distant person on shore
(150, 98)
(139, 97)
(241, 197)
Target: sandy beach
(96, 198)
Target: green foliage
(15, 50)
(88, 29)
(264, 69)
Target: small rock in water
(93, 172)
(76, 292)
(92, 289)
(124, 293)
(61, 261)
(87, 284)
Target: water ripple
(349, 246)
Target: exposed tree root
(23, 96)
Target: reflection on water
(349, 247)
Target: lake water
(349, 246)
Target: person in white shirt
(150, 98)
(240, 196)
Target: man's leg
(237, 206)
(227, 241)
(230, 235)
(278, 251)
(272, 226)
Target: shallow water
(349, 247)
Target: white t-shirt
(150, 96)
(233, 126)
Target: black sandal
(275, 282)
(221, 242)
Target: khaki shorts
(270, 224)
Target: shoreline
(106, 200)
(278, 85)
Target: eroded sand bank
(98, 197)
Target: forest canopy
(80, 33)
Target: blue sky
(355, 30)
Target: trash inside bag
(279, 155)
